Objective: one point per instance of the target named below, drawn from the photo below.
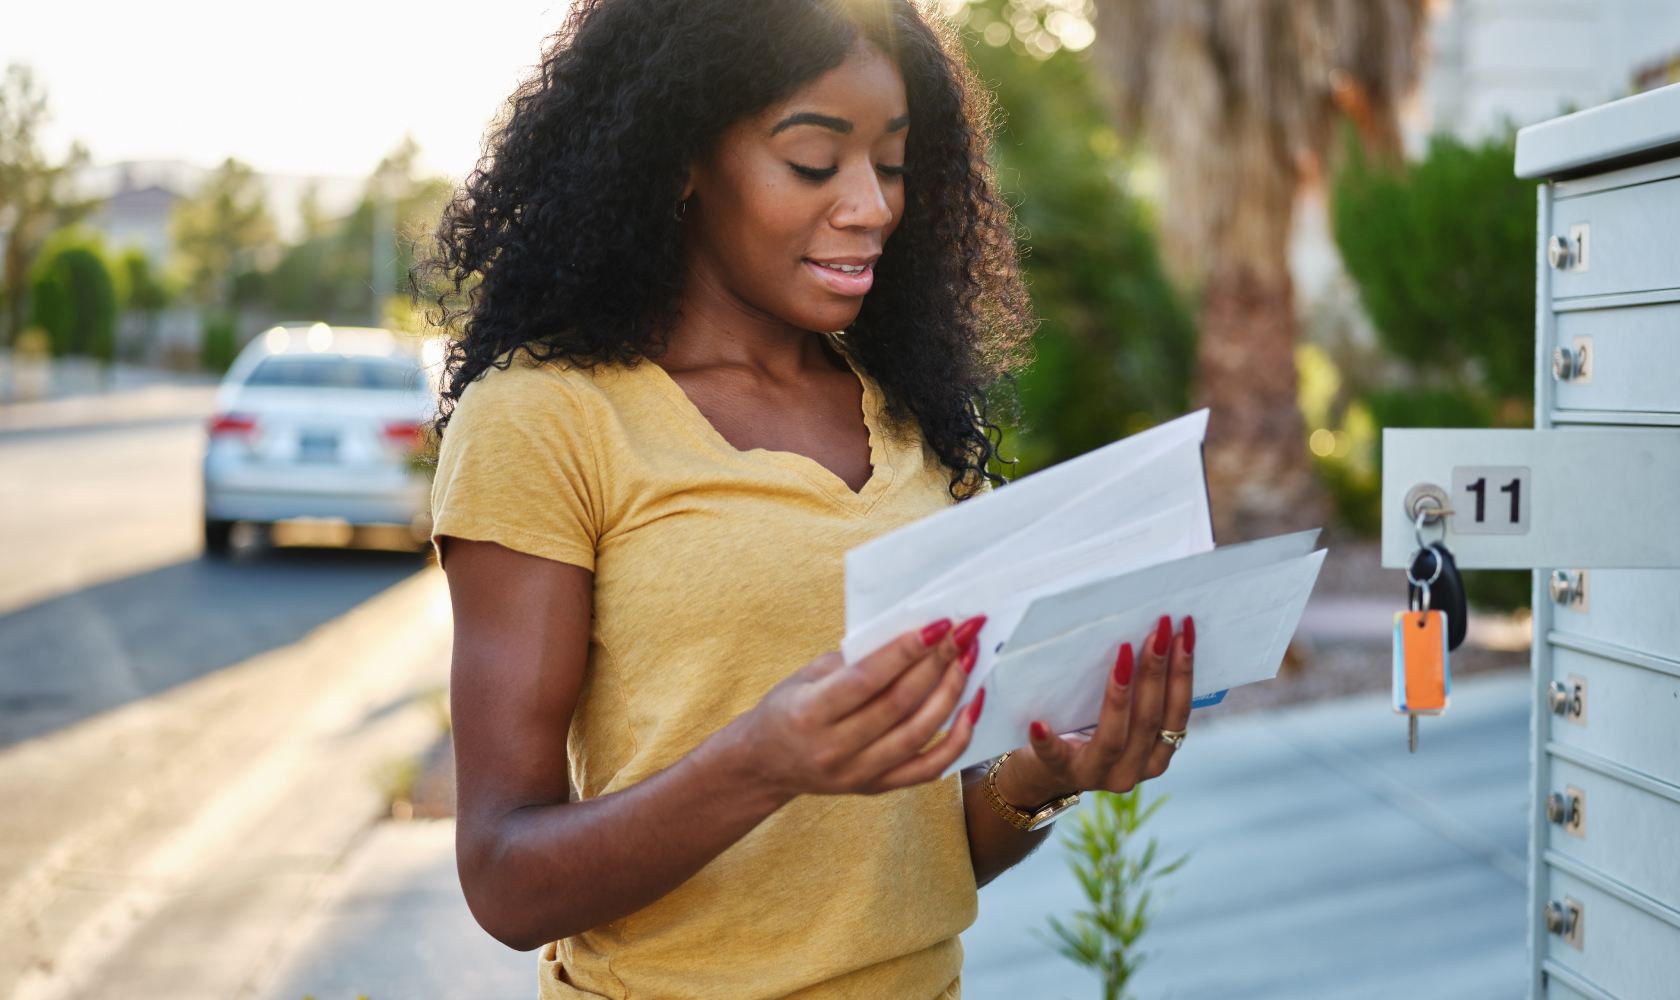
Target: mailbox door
(1528, 499)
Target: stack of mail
(1069, 563)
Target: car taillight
(232, 425)
(403, 434)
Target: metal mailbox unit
(1589, 500)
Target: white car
(321, 423)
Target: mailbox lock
(1568, 700)
(1557, 253)
(1564, 919)
(1569, 253)
(1557, 808)
(1568, 809)
(1426, 503)
(1568, 586)
(1567, 363)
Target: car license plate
(318, 446)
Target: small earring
(680, 211)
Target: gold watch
(1023, 819)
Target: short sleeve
(516, 467)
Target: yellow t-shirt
(718, 573)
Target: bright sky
(308, 86)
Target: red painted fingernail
(974, 710)
(965, 633)
(935, 632)
(1189, 634)
(970, 654)
(1123, 665)
(1039, 730)
(1163, 635)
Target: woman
(656, 448)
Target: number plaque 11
(1490, 499)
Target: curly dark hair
(561, 242)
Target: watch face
(1050, 812)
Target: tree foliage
(1442, 252)
(1115, 346)
(74, 297)
(328, 275)
(35, 198)
(139, 285)
(218, 232)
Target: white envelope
(1244, 623)
(1007, 589)
(1076, 606)
(1170, 478)
(883, 572)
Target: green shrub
(219, 346)
(74, 297)
(1497, 589)
(1442, 251)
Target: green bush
(73, 296)
(1442, 251)
(144, 289)
(219, 344)
(1497, 589)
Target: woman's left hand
(1126, 746)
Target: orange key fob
(1422, 678)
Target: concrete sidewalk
(25, 380)
(1325, 859)
(67, 394)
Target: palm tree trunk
(1260, 480)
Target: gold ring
(1175, 737)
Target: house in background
(1498, 61)
(138, 199)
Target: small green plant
(1117, 885)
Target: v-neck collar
(819, 475)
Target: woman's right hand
(835, 729)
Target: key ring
(1439, 562)
(1426, 514)
(1421, 602)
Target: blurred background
(223, 709)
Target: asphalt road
(107, 598)
(193, 741)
